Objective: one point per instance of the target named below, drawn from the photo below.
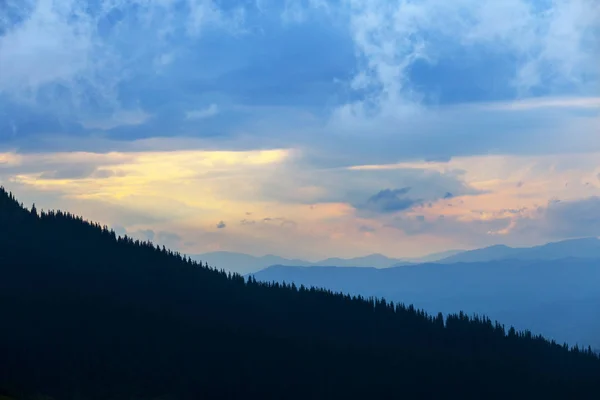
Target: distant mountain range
(551, 289)
(245, 263)
(578, 248)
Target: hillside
(555, 297)
(89, 315)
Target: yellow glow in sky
(190, 192)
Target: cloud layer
(307, 126)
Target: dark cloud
(389, 201)
(221, 225)
(366, 229)
(502, 212)
(368, 190)
(247, 221)
(457, 132)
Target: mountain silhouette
(87, 314)
(245, 263)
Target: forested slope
(89, 315)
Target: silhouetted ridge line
(95, 316)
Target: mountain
(434, 256)
(579, 248)
(90, 315)
(373, 260)
(245, 263)
(552, 297)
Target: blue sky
(307, 128)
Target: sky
(307, 128)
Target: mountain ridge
(245, 263)
(588, 247)
(242, 263)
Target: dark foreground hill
(88, 315)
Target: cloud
(555, 221)
(529, 38)
(149, 113)
(146, 234)
(282, 222)
(563, 219)
(169, 239)
(45, 46)
(68, 58)
(69, 173)
(476, 231)
(548, 102)
(366, 229)
(296, 181)
(389, 201)
(375, 99)
(203, 113)
(119, 118)
(221, 225)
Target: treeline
(87, 314)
